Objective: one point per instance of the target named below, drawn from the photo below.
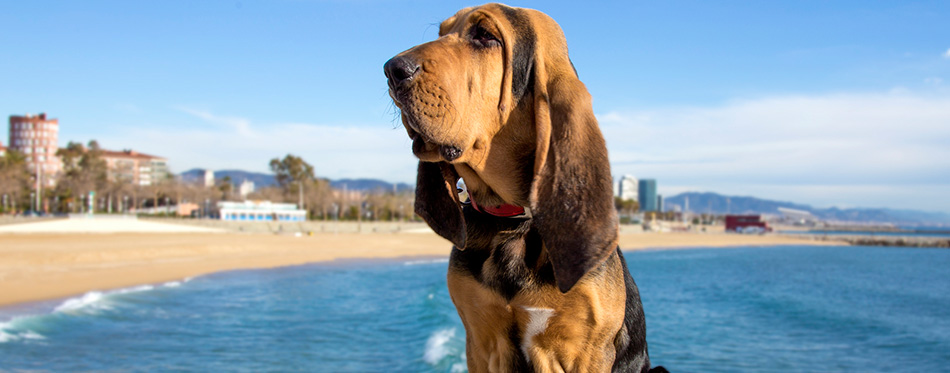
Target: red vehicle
(746, 224)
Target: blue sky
(843, 103)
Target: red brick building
(37, 138)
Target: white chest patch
(537, 322)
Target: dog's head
(495, 99)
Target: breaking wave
(26, 327)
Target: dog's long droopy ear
(437, 201)
(571, 195)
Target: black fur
(433, 195)
(631, 351)
(504, 255)
(511, 246)
(520, 362)
(522, 60)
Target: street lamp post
(38, 183)
(91, 201)
(300, 192)
(336, 211)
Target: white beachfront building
(246, 187)
(260, 211)
(627, 188)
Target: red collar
(502, 211)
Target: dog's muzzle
(400, 70)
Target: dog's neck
(502, 211)
(500, 169)
(494, 187)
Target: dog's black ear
(571, 194)
(437, 201)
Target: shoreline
(47, 266)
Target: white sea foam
(437, 347)
(459, 367)
(29, 334)
(97, 300)
(75, 304)
(13, 331)
(426, 261)
(6, 334)
(17, 328)
(136, 289)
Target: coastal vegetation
(85, 184)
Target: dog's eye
(483, 38)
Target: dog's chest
(499, 333)
(517, 320)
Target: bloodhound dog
(535, 272)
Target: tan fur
(578, 337)
(462, 103)
(544, 151)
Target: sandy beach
(68, 257)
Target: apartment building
(37, 138)
(135, 168)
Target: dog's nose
(400, 69)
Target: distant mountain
(369, 185)
(719, 204)
(266, 179)
(260, 180)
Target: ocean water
(928, 233)
(766, 309)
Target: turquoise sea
(910, 232)
(761, 309)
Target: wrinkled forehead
(506, 19)
(502, 16)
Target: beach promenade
(63, 257)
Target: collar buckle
(501, 211)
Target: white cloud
(229, 142)
(809, 149)
(886, 149)
(240, 125)
(946, 54)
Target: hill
(370, 185)
(699, 202)
(260, 180)
(266, 179)
(720, 204)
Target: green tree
(84, 170)
(226, 188)
(291, 170)
(294, 176)
(14, 180)
(626, 206)
(319, 198)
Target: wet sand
(43, 265)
